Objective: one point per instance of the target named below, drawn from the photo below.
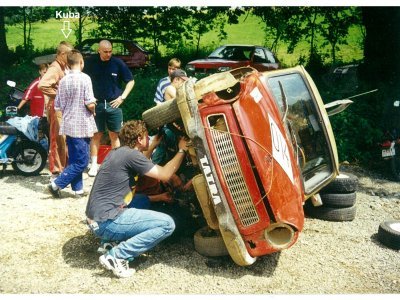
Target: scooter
(22, 150)
(390, 147)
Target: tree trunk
(3, 40)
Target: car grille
(234, 178)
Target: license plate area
(388, 152)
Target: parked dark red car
(129, 51)
(229, 57)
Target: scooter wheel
(29, 159)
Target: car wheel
(339, 200)
(209, 242)
(160, 115)
(335, 214)
(343, 183)
(389, 234)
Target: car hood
(216, 61)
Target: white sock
(94, 160)
(54, 186)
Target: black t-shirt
(107, 76)
(112, 187)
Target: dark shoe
(56, 193)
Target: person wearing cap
(178, 77)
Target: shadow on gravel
(9, 176)
(81, 252)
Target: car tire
(160, 115)
(334, 214)
(339, 200)
(343, 183)
(389, 234)
(209, 242)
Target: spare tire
(161, 114)
(389, 234)
(335, 214)
(339, 200)
(343, 183)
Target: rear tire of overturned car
(389, 234)
(209, 242)
(335, 214)
(160, 115)
(343, 183)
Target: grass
(249, 30)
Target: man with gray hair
(107, 73)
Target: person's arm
(128, 88)
(170, 93)
(163, 197)
(92, 108)
(164, 173)
(22, 103)
(48, 82)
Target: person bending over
(108, 213)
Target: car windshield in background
(233, 53)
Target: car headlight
(224, 69)
(280, 235)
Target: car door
(264, 60)
(307, 122)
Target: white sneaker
(93, 170)
(120, 267)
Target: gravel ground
(46, 248)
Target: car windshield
(305, 128)
(232, 53)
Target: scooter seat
(7, 129)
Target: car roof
(241, 45)
(112, 41)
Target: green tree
(276, 20)
(3, 40)
(201, 20)
(159, 25)
(24, 17)
(335, 25)
(85, 19)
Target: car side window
(270, 57)
(259, 56)
(89, 49)
(119, 49)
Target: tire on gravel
(209, 242)
(389, 234)
(335, 214)
(343, 183)
(339, 200)
(160, 115)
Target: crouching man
(108, 213)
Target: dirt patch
(47, 248)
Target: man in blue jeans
(108, 213)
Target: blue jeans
(138, 230)
(78, 159)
